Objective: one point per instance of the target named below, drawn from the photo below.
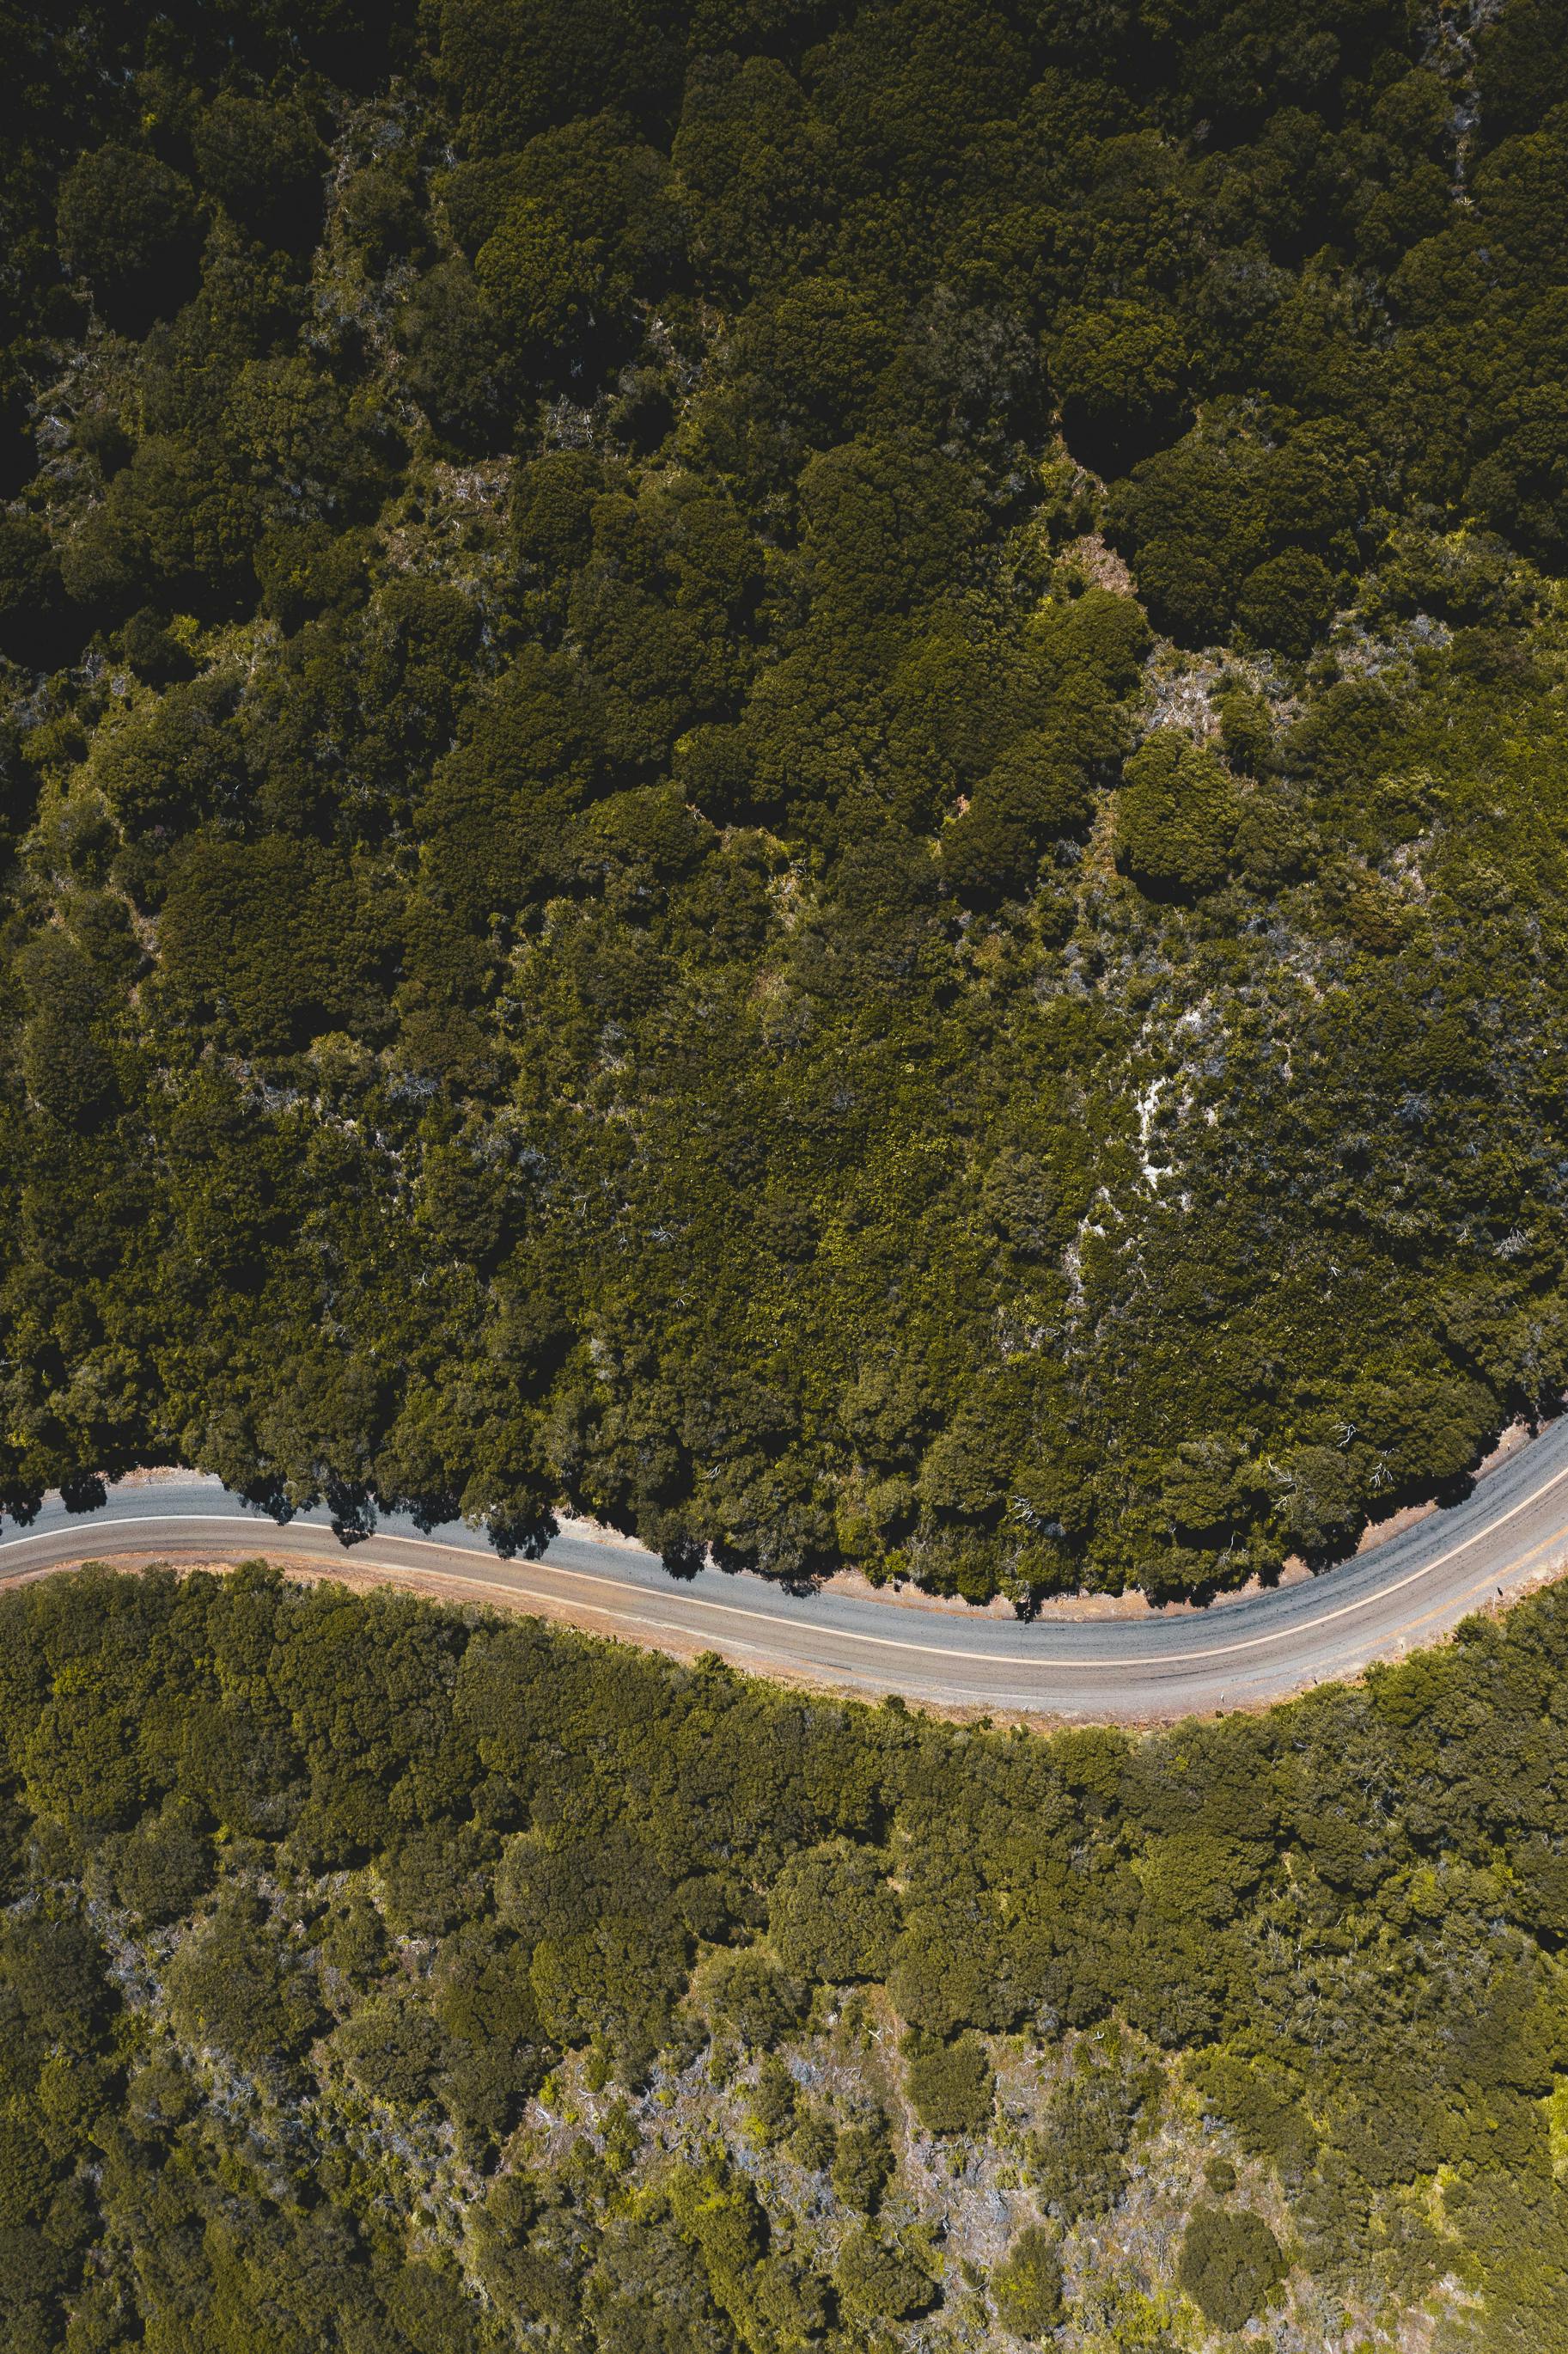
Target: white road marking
(508, 1577)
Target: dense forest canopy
(794, 769)
(406, 1981)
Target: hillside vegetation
(410, 1981)
(795, 771)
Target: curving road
(1508, 1535)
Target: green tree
(129, 225)
(952, 2085)
(1120, 374)
(1229, 2265)
(459, 369)
(831, 1916)
(863, 2165)
(545, 290)
(1287, 602)
(1027, 2285)
(265, 164)
(235, 1988)
(879, 2280)
(1176, 817)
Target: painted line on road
(935, 1650)
(1459, 1602)
(1547, 1544)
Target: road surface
(1508, 1535)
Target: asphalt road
(1510, 1534)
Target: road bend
(1510, 1534)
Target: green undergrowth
(398, 1978)
(793, 772)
